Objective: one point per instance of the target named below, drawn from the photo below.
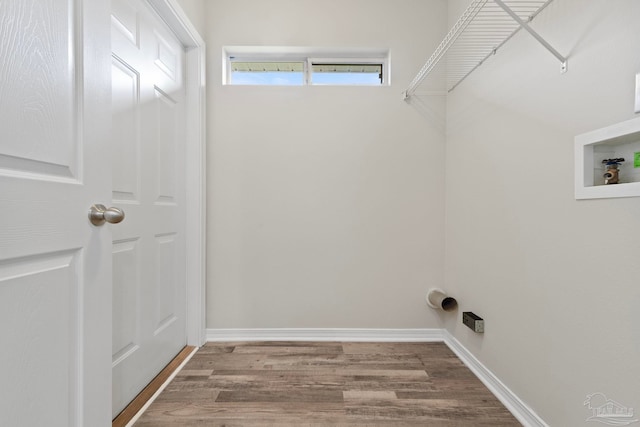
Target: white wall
(326, 204)
(556, 280)
(195, 11)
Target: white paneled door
(55, 162)
(148, 144)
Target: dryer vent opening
(438, 299)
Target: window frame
(309, 57)
(323, 60)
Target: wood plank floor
(318, 384)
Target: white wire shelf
(484, 27)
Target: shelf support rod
(535, 35)
(469, 14)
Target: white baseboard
(354, 335)
(513, 403)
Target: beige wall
(195, 10)
(556, 280)
(326, 204)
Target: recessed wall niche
(619, 141)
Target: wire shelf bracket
(484, 27)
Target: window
(346, 73)
(267, 73)
(298, 67)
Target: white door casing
(55, 267)
(149, 289)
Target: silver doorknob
(99, 214)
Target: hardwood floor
(318, 384)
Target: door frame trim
(196, 159)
